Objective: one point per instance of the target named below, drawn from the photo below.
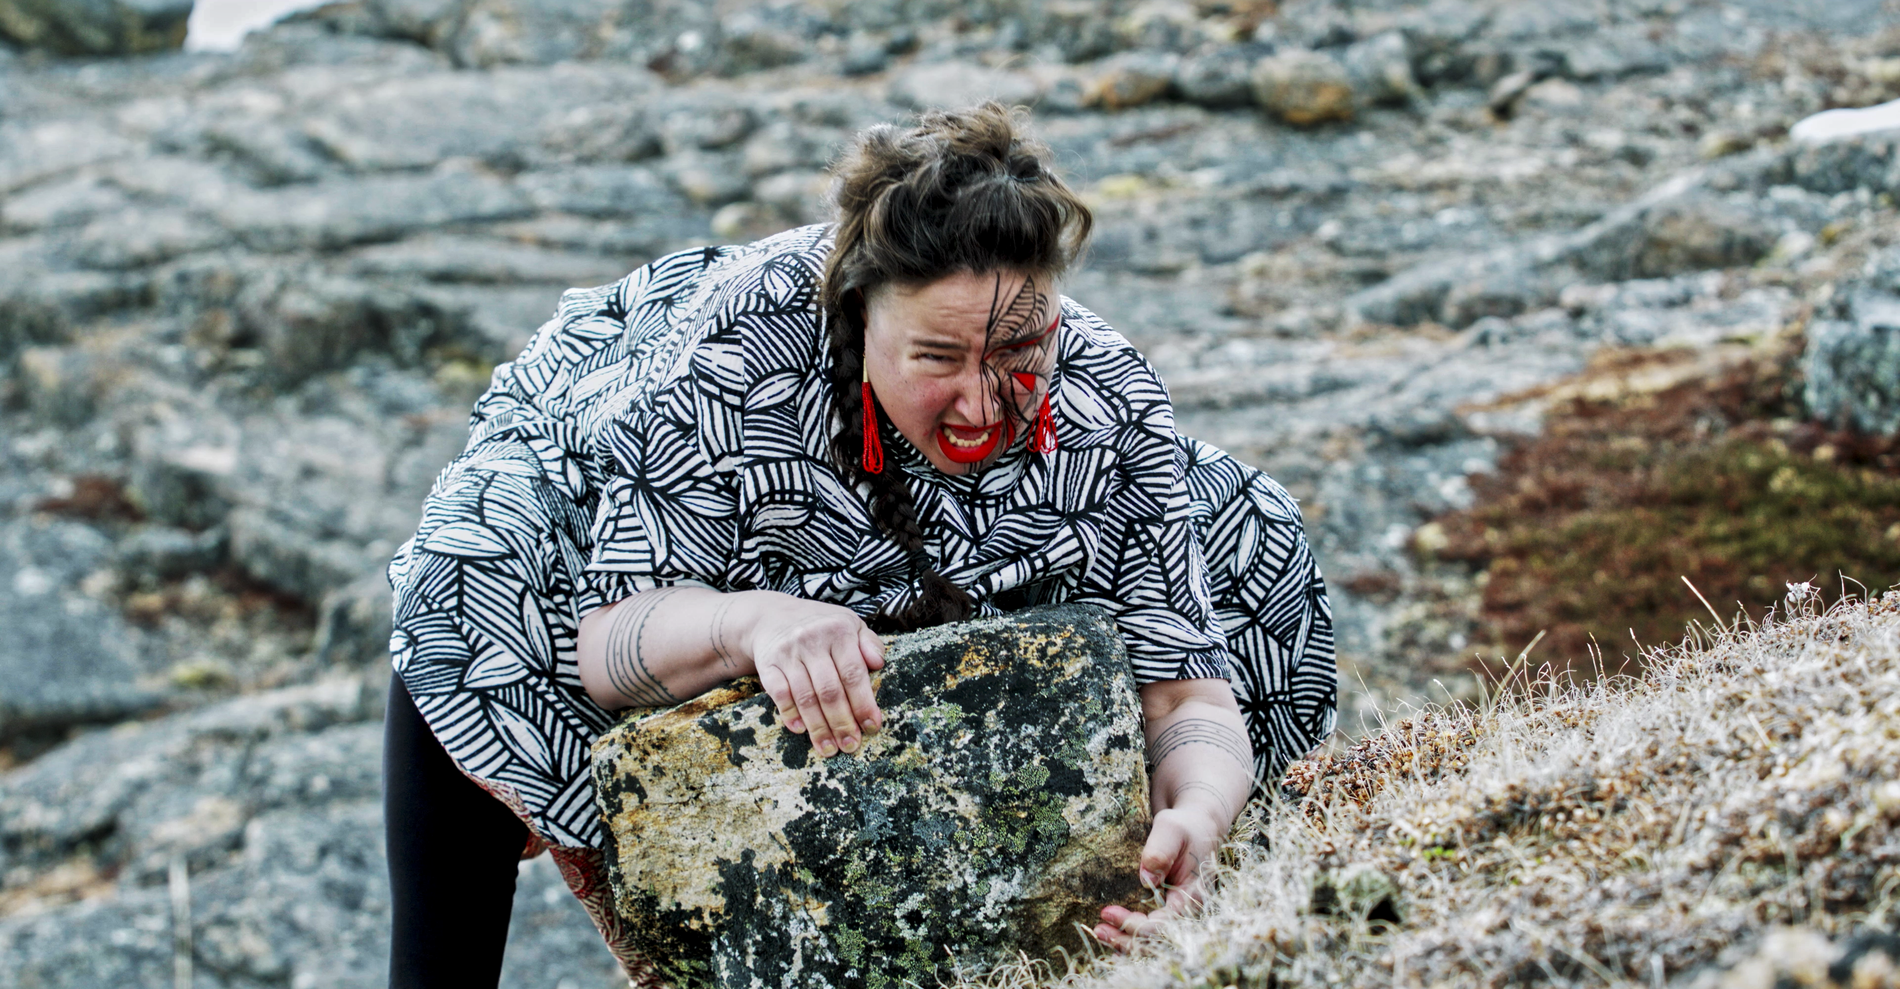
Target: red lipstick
(948, 435)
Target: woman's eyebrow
(940, 343)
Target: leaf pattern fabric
(674, 428)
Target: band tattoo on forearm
(721, 648)
(626, 661)
(1198, 731)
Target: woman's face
(960, 365)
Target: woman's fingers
(805, 696)
(865, 717)
(1165, 858)
(1120, 926)
(834, 705)
(871, 647)
(772, 679)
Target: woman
(749, 460)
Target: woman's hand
(1179, 842)
(815, 659)
(662, 646)
(1201, 771)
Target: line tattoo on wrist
(626, 659)
(1198, 731)
(721, 648)
(1220, 799)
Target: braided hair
(961, 191)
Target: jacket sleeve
(1148, 570)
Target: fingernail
(849, 744)
(826, 747)
(1148, 879)
(869, 726)
(796, 724)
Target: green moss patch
(1586, 531)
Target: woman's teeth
(971, 444)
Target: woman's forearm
(666, 645)
(1198, 754)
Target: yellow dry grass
(1730, 819)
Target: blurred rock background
(1390, 251)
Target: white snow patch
(1835, 125)
(220, 25)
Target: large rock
(1004, 801)
(95, 27)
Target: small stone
(1003, 802)
(1303, 88)
(707, 179)
(747, 221)
(1505, 93)
(1697, 235)
(1381, 69)
(801, 196)
(1552, 97)
(1131, 79)
(1722, 143)
(865, 55)
(707, 126)
(1220, 77)
(749, 44)
(1161, 25)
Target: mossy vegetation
(1587, 531)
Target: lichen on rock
(1004, 802)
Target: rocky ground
(246, 299)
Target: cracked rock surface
(999, 807)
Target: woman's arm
(1200, 774)
(670, 644)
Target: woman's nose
(977, 402)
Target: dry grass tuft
(1730, 819)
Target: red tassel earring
(1043, 440)
(873, 446)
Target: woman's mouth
(968, 444)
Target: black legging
(453, 852)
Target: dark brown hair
(961, 191)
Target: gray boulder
(1004, 801)
(95, 27)
(1852, 365)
